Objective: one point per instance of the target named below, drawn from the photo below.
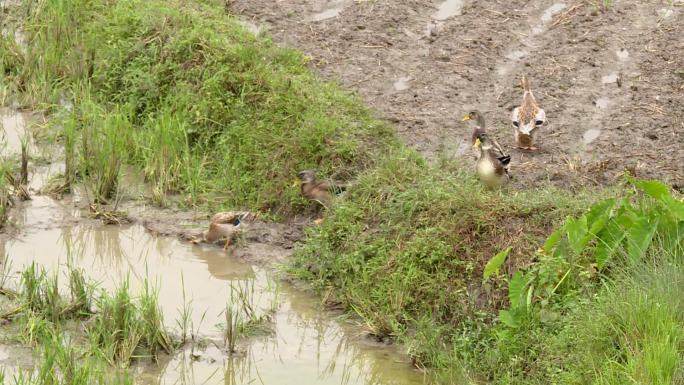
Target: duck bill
(477, 143)
(466, 118)
(295, 183)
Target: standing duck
(480, 128)
(527, 118)
(318, 190)
(491, 168)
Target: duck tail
(339, 188)
(525, 83)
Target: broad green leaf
(599, 214)
(552, 240)
(509, 318)
(654, 188)
(627, 217)
(495, 263)
(608, 241)
(577, 233)
(640, 236)
(675, 206)
(516, 289)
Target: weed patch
(187, 94)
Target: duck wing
(228, 217)
(334, 188)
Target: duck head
(306, 176)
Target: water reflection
(307, 346)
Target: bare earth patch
(610, 79)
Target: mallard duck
(527, 118)
(224, 226)
(318, 190)
(491, 168)
(480, 128)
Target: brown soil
(610, 79)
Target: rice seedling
(5, 196)
(184, 319)
(81, 294)
(154, 332)
(242, 316)
(116, 330)
(23, 179)
(70, 137)
(123, 329)
(40, 294)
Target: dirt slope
(610, 79)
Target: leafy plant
(589, 243)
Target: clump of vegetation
(243, 318)
(599, 306)
(406, 249)
(119, 327)
(123, 328)
(190, 96)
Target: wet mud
(608, 77)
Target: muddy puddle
(307, 344)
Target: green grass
(186, 93)
(406, 248)
(406, 251)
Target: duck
(480, 128)
(527, 118)
(318, 190)
(224, 226)
(491, 168)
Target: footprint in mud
(447, 9)
(602, 103)
(251, 27)
(517, 53)
(329, 11)
(591, 135)
(610, 78)
(622, 54)
(402, 84)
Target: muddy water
(308, 345)
(13, 130)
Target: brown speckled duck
(225, 226)
(527, 118)
(491, 168)
(318, 190)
